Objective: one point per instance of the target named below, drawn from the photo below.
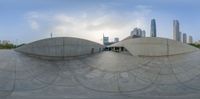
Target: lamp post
(51, 34)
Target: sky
(24, 21)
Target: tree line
(7, 46)
(196, 45)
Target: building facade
(190, 40)
(116, 39)
(184, 38)
(105, 40)
(143, 33)
(153, 28)
(137, 32)
(176, 31)
(5, 42)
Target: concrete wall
(151, 46)
(61, 47)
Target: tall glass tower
(176, 31)
(184, 38)
(153, 28)
(190, 41)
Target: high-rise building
(197, 42)
(143, 33)
(105, 40)
(6, 42)
(134, 32)
(184, 38)
(190, 41)
(137, 32)
(116, 39)
(153, 28)
(176, 32)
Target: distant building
(197, 42)
(153, 28)
(190, 40)
(176, 32)
(140, 32)
(184, 38)
(143, 33)
(105, 40)
(137, 32)
(181, 36)
(116, 39)
(6, 42)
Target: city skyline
(27, 21)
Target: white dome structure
(151, 46)
(61, 47)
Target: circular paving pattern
(106, 74)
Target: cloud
(144, 7)
(34, 24)
(32, 20)
(90, 25)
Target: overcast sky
(24, 21)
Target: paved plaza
(105, 75)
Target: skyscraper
(105, 40)
(143, 33)
(116, 39)
(137, 32)
(190, 41)
(176, 32)
(5, 42)
(140, 32)
(184, 38)
(153, 28)
(134, 32)
(181, 36)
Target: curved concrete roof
(61, 47)
(151, 46)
